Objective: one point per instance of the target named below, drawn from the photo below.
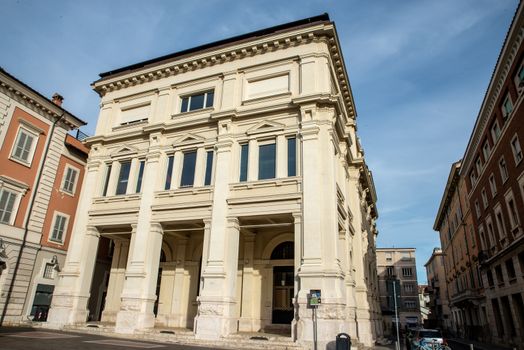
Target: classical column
(251, 297)
(133, 176)
(71, 294)
(139, 292)
(252, 163)
(113, 178)
(281, 157)
(178, 305)
(200, 167)
(320, 267)
(177, 170)
(116, 280)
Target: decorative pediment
(124, 151)
(265, 126)
(188, 139)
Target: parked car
(425, 338)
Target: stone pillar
(178, 305)
(139, 292)
(200, 167)
(133, 176)
(116, 281)
(216, 311)
(251, 298)
(282, 152)
(177, 170)
(113, 178)
(320, 267)
(71, 295)
(252, 163)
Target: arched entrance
(283, 284)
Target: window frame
(264, 143)
(119, 179)
(516, 152)
(209, 167)
(486, 149)
(23, 128)
(504, 175)
(50, 238)
(514, 219)
(484, 197)
(495, 131)
(492, 185)
(519, 83)
(14, 208)
(74, 169)
(183, 167)
(204, 92)
(503, 106)
(16, 187)
(244, 162)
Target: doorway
(283, 291)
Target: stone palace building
(225, 182)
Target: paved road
(43, 339)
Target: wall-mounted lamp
(54, 261)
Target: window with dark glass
(169, 172)
(197, 101)
(106, 183)
(209, 168)
(188, 169)
(266, 161)
(291, 156)
(140, 176)
(123, 177)
(7, 202)
(244, 153)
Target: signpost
(314, 299)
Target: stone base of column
(249, 325)
(331, 321)
(67, 309)
(109, 316)
(365, 327)
(135, 314)
(215, 319)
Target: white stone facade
(224, 217)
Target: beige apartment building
(224, 183)
(397, 273)
(439, 311)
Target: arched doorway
(283, 281)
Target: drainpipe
(26, 225)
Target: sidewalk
(478, 345)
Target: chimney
(57, 99)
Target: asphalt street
(43, 339)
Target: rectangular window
(473, 178)
(58, 228)
(7, 203)
(500, 224)
(70, 180)
(197, 101)
(510, 269)
(521, 263)
(484, 198)
(478, 165)
(291, 156)
(266, 161)
(512, 211)
(498, 273)
(123, 177)
(519, 78)
(507, 107)
(489, 275)
(188, 169)
(517, 151)
(244, 154)
(209, 168)
(495, 131)
(169, 172)
(407, 271)
(24, 146)
(141, 167)
(390, 271)
(477, 209)
(503, 169)
(486, 150)
(106, 183)
(492, 185)
(389, 256)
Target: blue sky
(418, 70)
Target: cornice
(31, 98)
(324, 32)
(506, 59)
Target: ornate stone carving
(211, 309)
